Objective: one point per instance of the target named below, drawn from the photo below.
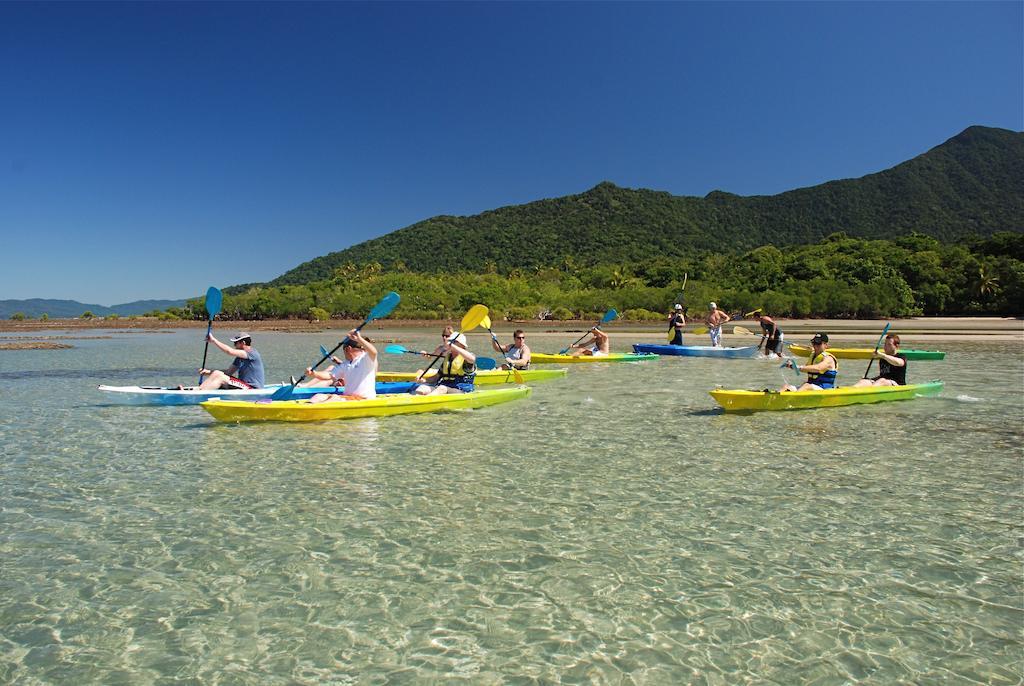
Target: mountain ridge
(972, 183)
(59, 308)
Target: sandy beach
(918, 328)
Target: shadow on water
(123, 373)
(705, 412)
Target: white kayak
(191, 395)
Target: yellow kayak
(381, 406)
(757, 401)
(868, 353)
(488, 377)
(542, 358)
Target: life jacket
(823, 379)
(455, 369)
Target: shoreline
(917, 328)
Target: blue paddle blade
(385, 306)
(324, 352)
(396, 350)
(485, 363)
(609, 315)
(213, 302)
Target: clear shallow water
(614, 528)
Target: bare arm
(891, 359)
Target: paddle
(742, 330)
(399, 350)
(213, 301)
(381, 309)
(470, 321)
(877, 346)
(608, 316)
(682, 299)
(791, 363)
(486, 323)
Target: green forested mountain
(973, 184)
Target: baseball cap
(714, 306)
(677, 306)
(819, 338)
(241, 335)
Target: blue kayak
(156, 395)
(696, 350)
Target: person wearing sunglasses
(517, 353)
(457, 371)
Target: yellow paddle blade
(742, 330)
(700, 330)
(474, 317)
(486, 322)
(517, 375)
(671, 334)
(748, 314)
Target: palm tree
(987, 284)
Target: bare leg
(214, 381)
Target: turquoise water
(614, 528)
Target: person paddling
(892, 365)
(771, 334)
(457, 371)
(246, 371)
(821, 370)
(676, 322)
(517, 353)
(714, 320)
(357, 372)
(598, 345)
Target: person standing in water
(676, 322)
(714, 320)
(771, 334)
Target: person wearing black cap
(357, 372)
(821, 370)
(246, 371)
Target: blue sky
(151, 150)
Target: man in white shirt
(357, 372)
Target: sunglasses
(519, 337)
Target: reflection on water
(614, 527)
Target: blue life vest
(823, 379)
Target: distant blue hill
(56, 309)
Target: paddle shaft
(209, 330)
(430, 366)
(565, 350)
(877, 346)
(213, 303)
